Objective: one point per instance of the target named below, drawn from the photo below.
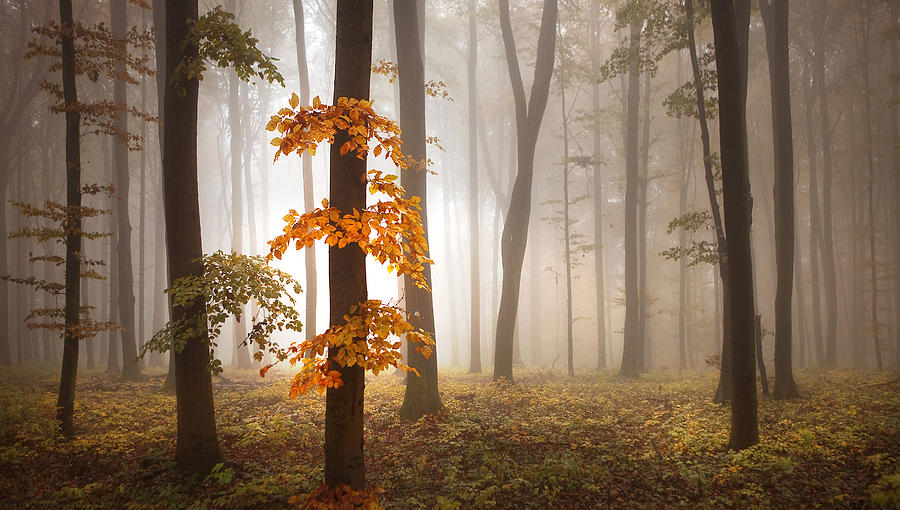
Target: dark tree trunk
(422, 396)
(760, 363)
(529, 114)
(197, 448)
(131, 370)
(66, 402)
(474, 244)
(775, 18)
(815, 226)
(344, 459)
(737, 205)
(311, 291)
(895, 178)
(723, 390)
(631, 349)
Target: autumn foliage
(389, 230)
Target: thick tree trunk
(131, 370)
(197, 448)
(643, 184)
(66, 402)
(344, 459)
(775, 18)
(311, 290)
(529, 114)
(815, 227)
(737, 204)
(422, 396)
(631, 349)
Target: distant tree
(422, 396)
(312, 287)
(775, 19)
(726, 17)
(529, 114)
(475, 245)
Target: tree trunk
(597, 147)
(421, 396)
(570, 345)
(723, 390)
(643, 183)
(815, 226)
(66, 402)
(474, 244)
(828, 265)
(344, 459)
(312, 289)
(775, 18)
(131, 370)
(760, 362)
(737, 203)
(197, 448)
(529, 114)
(631, 349)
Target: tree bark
(727, 30)
(197, 447)
(344, 458)
(775, 19)
(528, 123)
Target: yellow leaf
(317, 102)
(294, 101)
(325, 203)
(275, 142)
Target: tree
(596, 144)
(421, 396)
(474, 244)
(191, 41)
(775, 19)
(312, 287)
(528, 124)
(125, 277)
(632, 351)
(738, 217)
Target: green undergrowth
(548, 441)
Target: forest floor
(548, 441)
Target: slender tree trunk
(775, 18)
(597, 147)
(421, 396)
(131, 370)
(66, 402)
(570, 345)
(870, 163)
(828, 265)
(723, 390)
(197, 447)
(312, 289)
(643, 184)
(815, 227)
(344, 459)
(895, 179)
(474, 244)
(529, 114)
(631, 349)
(142, 224)
(728, 25)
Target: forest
(451, 254)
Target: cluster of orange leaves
(389, 230)
(342, 497)
(363, 340)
